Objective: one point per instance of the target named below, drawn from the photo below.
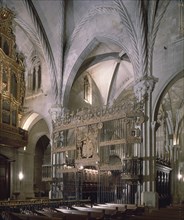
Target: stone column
(28, 171)
(20, 174)
(175, 171)
(143, 92)
(154, 155)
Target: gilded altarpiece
(12, 92)
(12, 84)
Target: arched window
(34, 79)
(39, 77)
(87, 90)
(34, 75)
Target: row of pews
(108, 211)
(174, 212)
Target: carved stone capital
(56, 112)
(144, 87)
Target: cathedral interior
(92, 101)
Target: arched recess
(42, 157)
(77, 98)
(38, 147)
(83, 60)
(169, 142)
(29, 120)
(164, 90)
(170, 107)
(4, 177)
(108, 81)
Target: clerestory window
(87, 90)
(35, 76)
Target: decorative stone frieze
(65, 120)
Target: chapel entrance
(4, 178)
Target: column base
(150, 199)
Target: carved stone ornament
(56, 112)
(87, 142)
(144, 87)
(92, 116)
(100, 125)
(87, 162)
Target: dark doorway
(4, 178)
(42, 157)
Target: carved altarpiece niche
(96, 153)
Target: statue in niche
(87, 142)
(87, 148)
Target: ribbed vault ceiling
(109, 67)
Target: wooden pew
(19, 216)
(160, 217)
(130, 209)
(94, 213)
(105, 209)
(117, 207)
(51, 214)
(110, 212)
(162, 214)
(70, 214)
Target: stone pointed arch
(168, 115)
(162, 92)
